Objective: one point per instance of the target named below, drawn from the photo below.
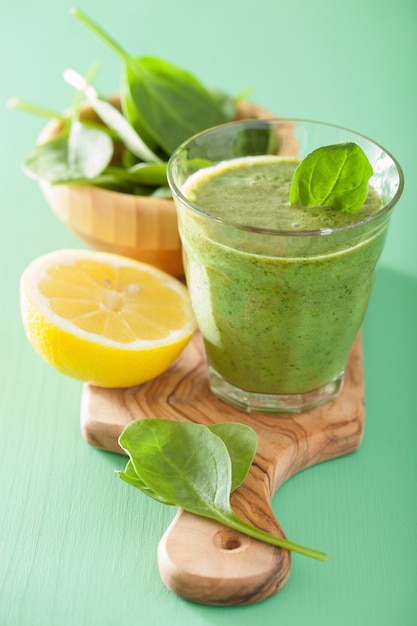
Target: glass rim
(272, 231)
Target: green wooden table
(78, 546)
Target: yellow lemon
(103, 318)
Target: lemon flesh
(104, 319)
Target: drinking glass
(278, 309)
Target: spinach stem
(237, 523)
(22, 105)
(112, 43)
(78, 98)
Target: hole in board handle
(229, 540)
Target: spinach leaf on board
(189, 465)
(241, 443)
(335, 176)
(132, 478)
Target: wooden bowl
(135, 226)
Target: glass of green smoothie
(279, 288)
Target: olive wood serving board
(202, 560)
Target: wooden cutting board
(199, 559)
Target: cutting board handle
(199, 559)
(204, 561)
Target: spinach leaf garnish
(196, 467)
(335, 176)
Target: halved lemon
(104, 319)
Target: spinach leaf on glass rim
(335, 176)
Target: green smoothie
(278, 303)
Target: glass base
(273, 404)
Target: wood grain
(199, 559)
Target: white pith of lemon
(104, 319)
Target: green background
(78, 546)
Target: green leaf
(241, 443)
(170, 103)
(112, 182)
(164, 193)
(83, 153)
(255, 141)
(182, 462)
(335, 176)
(189, 465)
(89, 150)
(129, 476)
(126, 133)
(164, 103)
(148, 174)
(113, 118)
(131, 113)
